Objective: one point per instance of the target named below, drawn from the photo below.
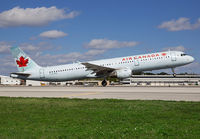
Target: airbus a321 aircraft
(121, 67)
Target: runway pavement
(128, 93)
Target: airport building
(163, 80)
(5, 80)
(35, 83)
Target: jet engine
(122, 73)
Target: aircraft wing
(99, 70)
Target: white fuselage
(145, 62)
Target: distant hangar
(163, 80)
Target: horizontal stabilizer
(19, 74)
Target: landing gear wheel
(104, 83)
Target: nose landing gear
(174, 74)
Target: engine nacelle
(123, 73)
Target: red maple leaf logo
(164, 54)
(22, 62)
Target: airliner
(121, 67)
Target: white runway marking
(128, 93)
(74, 95)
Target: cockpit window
(183, 54)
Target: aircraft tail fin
(23, 61)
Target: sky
(57, 32)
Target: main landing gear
(104, 83)
(174, 74)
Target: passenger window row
(71, 69)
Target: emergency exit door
(173, 56)
(136, 62)
(42, 73)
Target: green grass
(76, 118)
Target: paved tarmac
(128, 93)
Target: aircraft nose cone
(192, 59)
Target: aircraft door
(173, 56)
(41, 71)
(136, 62)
